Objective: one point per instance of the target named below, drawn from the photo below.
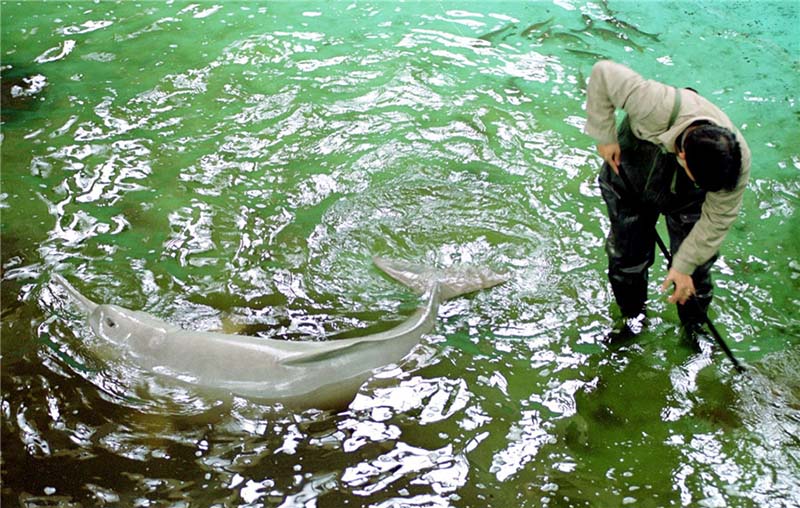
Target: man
(684, 159)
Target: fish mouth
(87, 305)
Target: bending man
(686, 160)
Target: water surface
(234, 166)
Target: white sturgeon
(296, 374)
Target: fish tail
(452, 282)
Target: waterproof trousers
(661, 187)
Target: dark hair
(714, 157)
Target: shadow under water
(21, 91)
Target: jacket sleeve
(614, 86)
(717, 215)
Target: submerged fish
(536, 27)
(611, 35)
(619, 23)
(491, 35)
(296, 374)
(591, 54)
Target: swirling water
(234, 166)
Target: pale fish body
(319, 374)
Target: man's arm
(613, 86)
(719, 212)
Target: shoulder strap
(676, 107)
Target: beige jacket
(649, 104)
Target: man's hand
(610, 153)
(684, 286)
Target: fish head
(113, 323)
(134, 331)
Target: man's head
(713, 156)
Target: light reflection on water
(241, 179)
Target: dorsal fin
(302, 359)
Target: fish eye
(110, 323)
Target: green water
(236, 165)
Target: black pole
(714, 333)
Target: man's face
(682, 161)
